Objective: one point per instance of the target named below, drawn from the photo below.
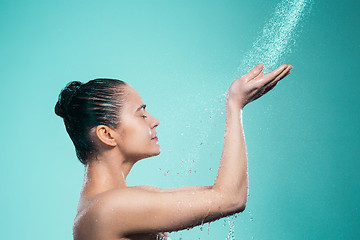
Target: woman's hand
(254, 84)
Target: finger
(273, 84)
(260, 75)
(281, 76)
(254, 72)
(269, 87)
(271, 76)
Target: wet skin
(109, 209)
(134, 139)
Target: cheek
(135, 135)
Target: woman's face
(137, 129)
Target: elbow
(240, 205)
(242, 199)
(237, 205)
(232, 203)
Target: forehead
(133, 99)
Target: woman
(111, 130)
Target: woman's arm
(232, 178)
(176, 189)
(139, 210)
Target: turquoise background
(303, 137)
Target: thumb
(254, 72)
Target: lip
(155, 138)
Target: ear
(106, 135)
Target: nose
(155, 122)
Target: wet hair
(84, 106)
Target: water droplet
(231, 221)
(277, 34)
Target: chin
(157, 152)
(152, 154)
(157, 149)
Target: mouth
(155, 138)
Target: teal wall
(303, 137)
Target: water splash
(231, 221)
(251, 216)
(275, 40)
(278, 35)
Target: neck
(106, 172)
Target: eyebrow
(143, 106)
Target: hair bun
(65, 96)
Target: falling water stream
(278, 35)
(274, 41)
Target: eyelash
(144, 116)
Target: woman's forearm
(232, 178)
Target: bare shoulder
(148, 210)
(107, 215)
(93, 219)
